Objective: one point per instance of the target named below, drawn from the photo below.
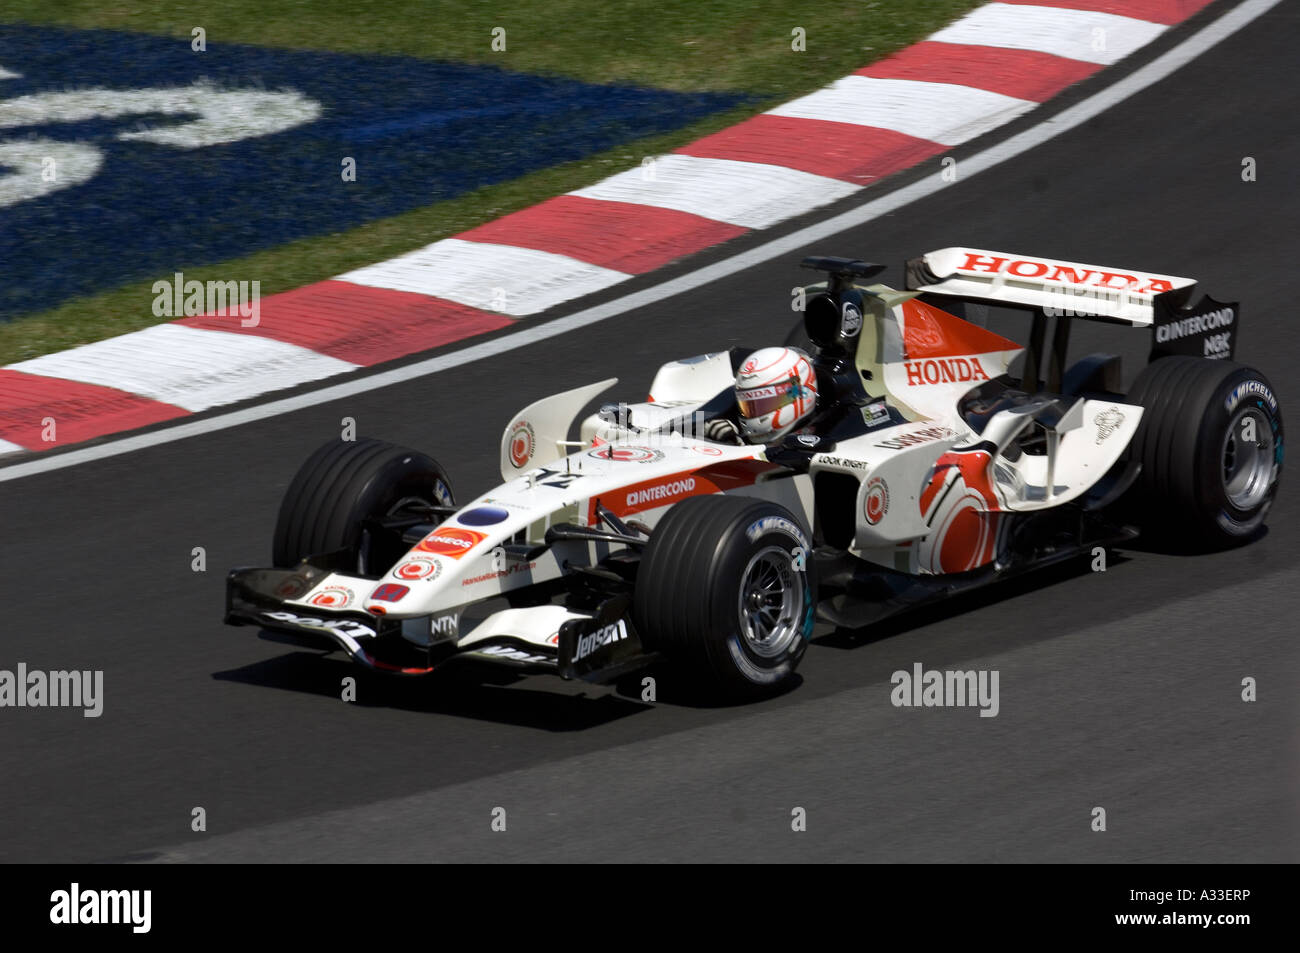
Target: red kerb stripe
(78, 411)
(1024, 74)
(629, 238)
(838, 150)
(358, 323)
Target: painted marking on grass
(29, 159)
(223, 115)
(277, 124)
(1155, 71)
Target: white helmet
(776, 389)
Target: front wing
(598, 647)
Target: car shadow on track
(488, 692)
(535, 702)
(991, 595)
(1173, 547)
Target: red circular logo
(627, 454)
(332, 597)
(877, 502)
(418, 567)
(292, 587)
(522, 444)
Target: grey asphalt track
(1118, 690)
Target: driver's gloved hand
(722, 430)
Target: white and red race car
(928, 468)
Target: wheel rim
(770, 603)
(1247, 470)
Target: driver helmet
(776, 389)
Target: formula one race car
(926, 469)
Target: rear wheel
(345, 491)
(1211, 447)
(725, 590)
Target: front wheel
(344, 487)
(726, 591)
(1211, 447)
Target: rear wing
(1066, 289)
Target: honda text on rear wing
(1067, 289)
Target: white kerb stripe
(1075, 34)
(940, 112)
(189, 367)
(749, 194)
(488, 276)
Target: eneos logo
(451, 541)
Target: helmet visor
(761, 401)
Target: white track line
(1155, 71)
(503, 278)
(1075, 34)
(940, 112)
(749, 194)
